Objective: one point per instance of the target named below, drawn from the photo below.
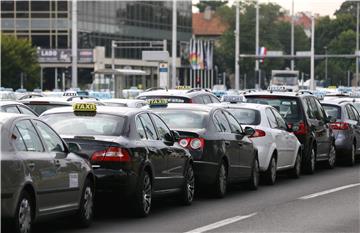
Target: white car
(131, 103)
(278, 148)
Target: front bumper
(205, 172)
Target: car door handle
(31, 165)
(57, 163)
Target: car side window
(198, 100)
(26, 111)
(221, 121)
(140, 128)
(11, 109)
(316, 110)
(356, 113)
(52, 141)
(149, 127)
(161, 127)
(271, 118)
(19, 143)
(320, 109)
(280, 120)
(234, 124)
(214, 99)
(350, 113)
(308, 109)
(207, 99)
(30, 136)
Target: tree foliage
(17, 55)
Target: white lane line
(328, 191)
(221, 223)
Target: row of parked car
(59, 153)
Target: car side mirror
(248, 131)
(74, 147)
(176, 135)
(169, 139)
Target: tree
(18, 56)
(212, 4)
(347, 8)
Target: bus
(287, 80)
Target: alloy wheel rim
(222, 179)
(190, 185)
(332, 156)
(24, 216)
(88, 203)
(147, 194)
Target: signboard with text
(64, 55)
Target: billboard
(64, 55)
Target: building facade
(48, 25)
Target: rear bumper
(119, 181)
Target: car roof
(244, 105)
(194, 107)
(6, 116)
(121, 111)
(337, 101)
(173, 92)
(280, 94)
(60, 100)
(8, 102)
(123, 101)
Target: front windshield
(85, 124)
(179, 119)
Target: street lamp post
(326, 63)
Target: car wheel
(24, 214)
(351, 159)
(270, 174)
(188, 190)
(86, 211)
(309, 164)
(253, 183)
(143, 196)
(221, 181)
(296, 170)
(332, 157)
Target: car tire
(351, 159)
(188, 190)
(143, 196)
(309, 163)
(85, 214)
(253, 182)
(221, 181)
(270, 173)
(332, 157)
(296, 170)
(24, 214)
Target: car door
(69, 175)
(39, 164)
(242, 147)
(354, 121)
(289, 141)
(153, 147)
(230, 145)
(325, 134)
(175, 156)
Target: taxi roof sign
(157, 102)
(277, 88)
(182, 87)
(84, 107)
(70, 93)
(232, 98)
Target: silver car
(40, 175)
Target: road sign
(274, 53)
(155, 55)
(163, 74)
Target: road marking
(221, 223)
(328, 191)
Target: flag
(262, 53)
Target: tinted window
(161, 127)
(40, 108)
(11, 109)
(85, 124)
(149, 127)
(18, 140)
(221, 121)
(332, 110)
(271, 118)
(246, 116)
(140, 128)
(30, 136)
(289, 108)
(280, 121)
(180, 119)
(319, 110)
(235, 127)
(356, 113)
(51, 139)
(350, 113)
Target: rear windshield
(332, 110)
(85, 124)
(170, 99)
(180, 119)
(289, 108)
(246, 116)
(40, 108)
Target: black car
(221, 150)
(16, 107)
(133, 152)
(346, 129)
(304, 113)
(195, 96)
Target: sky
(322, 7)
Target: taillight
(258, 133)
(339, 125)
(112, 154)
(192, 143)
(303, 129)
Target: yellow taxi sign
(157, 102)
(84, 107)
(182, 87)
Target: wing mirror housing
(74, 147)
(248, 131)
(169, 138)
(330, 119)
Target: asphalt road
(284, 207)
